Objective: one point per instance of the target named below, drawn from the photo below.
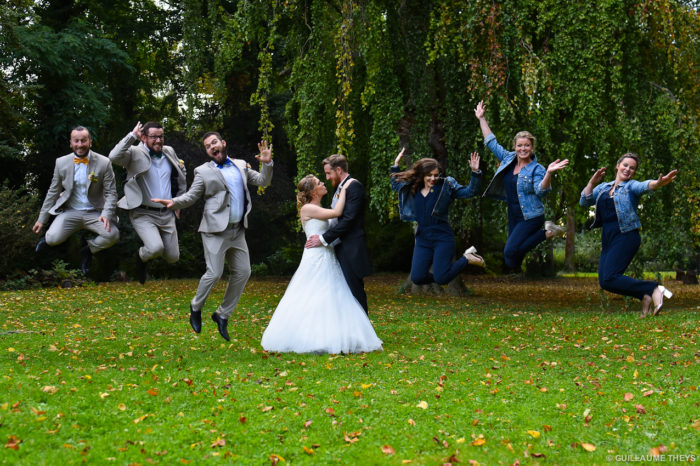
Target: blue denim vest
(449, 191)
(530, 193)
(626, 198)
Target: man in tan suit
(152, 171)
(82, 195)
(223, 182)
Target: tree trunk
(569, 262)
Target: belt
(155, 209)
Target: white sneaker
(554, 228)
(473, 257)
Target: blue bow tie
(226, 163)
(155, 155)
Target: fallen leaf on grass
(387, 450)
(640, 409)
(152, 391)
(274, 459)
(308, 423)
(657, 451)
(13, 442)
(648, 393)
(49, 389)
(266, 409)
(534, 433)
(422, 405)
(308, 451)
(588, 446)
(478, 442)
(628, 397)
(219, 442)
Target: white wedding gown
(318, 313)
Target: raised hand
(400, 156)
(480, 110)
(265, 155)
(557, 165)
(474, 161)
(138, 130)
(597, 176)
(166, 202)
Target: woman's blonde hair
(526, 135)
(305, 187)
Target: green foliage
(18, 211)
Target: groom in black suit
(347, 235)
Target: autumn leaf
(265, 409)
(274, 459)
(422, 405)
(308, 423)
(628, 397)
(534, 433)
(308, 451)
(479, 442)
(588, 446)
(219, 442)
(648, 393)
(13, 442)
(640, 409)
(387, 450)
(152, 391)
(49, 389)
(658, 451)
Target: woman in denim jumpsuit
(425, 198)
(616, 211)
(522, 183)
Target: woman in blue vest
(616, 211)
(522, 183)
(425, 198)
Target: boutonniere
(92, 176)
(247, 166)
(181, 164)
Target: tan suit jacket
(210, 183)
(102, 190)
(137, 161)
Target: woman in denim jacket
(616, 211)
(522, 183)
(425, 198)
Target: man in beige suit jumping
(82, 195)
(223, 182)
(152, 171)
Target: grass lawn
(528, 371)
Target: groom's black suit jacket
(352, 250)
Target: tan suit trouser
(230, 246)
(68, 222)
(158, 232)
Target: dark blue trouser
(618, 251)
(523, 236)
(437, 248)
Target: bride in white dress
(318, 313)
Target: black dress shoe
(141, 270)
(41, 245)
(86, 259)
(195, 320)
(222, 324)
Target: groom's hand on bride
(313, 242)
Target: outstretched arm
(479, 112)
(594, 181)
(663, 180)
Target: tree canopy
(591, 80)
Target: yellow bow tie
(80, 160)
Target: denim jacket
(626, 198)
(449, 191)
(530, 193)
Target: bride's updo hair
(305, 187)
